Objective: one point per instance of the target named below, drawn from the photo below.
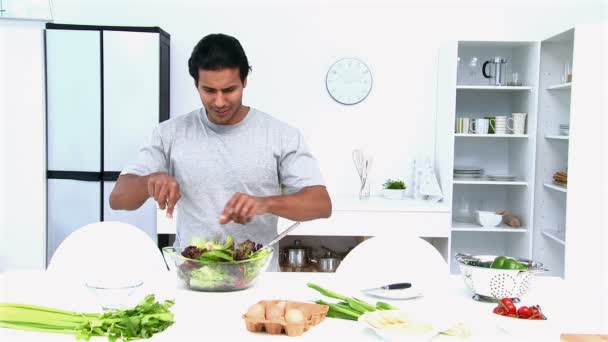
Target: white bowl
(488, 218)
(525, 328)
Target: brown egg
(256, 312)
(294, 316)
(276, 311)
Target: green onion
(348, 308)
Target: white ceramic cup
(462, 125)
(502, 124)
(519, 123)
(481, 126)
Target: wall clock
(349, 81)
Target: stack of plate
(467, 172)
(564, 129)
(501, 177)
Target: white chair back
(114, 249)
(384, 260)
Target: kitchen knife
(397, 286)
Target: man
(226, 163)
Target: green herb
(348, 308)
(146, 319)
(394, 184)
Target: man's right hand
(165, 190)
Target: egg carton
(313, 315)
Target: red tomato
(512, 315)
(511, 309)
(499, 310)
(506, 301)
(534, 311)
(524, 312)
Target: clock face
(349, 81)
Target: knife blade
(396, 286)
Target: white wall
(291, 44)
(22, 149)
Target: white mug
(462, 125)
(481, 126)
(502, 124)
(519, 123)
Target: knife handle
(399, 286)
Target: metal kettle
(497, 73)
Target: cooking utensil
(327, 263)
(396, 286)
(488, 283)
(297, 255)
(363, 163)
(280, 236)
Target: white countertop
(351, 215)
(349, 203)
(201, 314)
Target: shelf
(471, 135)
(560, 86)
(559, 237)
(556, 187)
(488, 182)
(500, 88)
(557, 137)
(474, 227)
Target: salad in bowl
(219, 267)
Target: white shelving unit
(488, 182)
(556, 187)
(468, 95)
(553, 110)
(472, 135)
(493, 88)
(561, 86)
(555, 236)
(547, 211)
(473, 227)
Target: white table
(219, 314)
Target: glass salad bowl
(218, 275)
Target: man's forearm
(308, 204)
(130, 192)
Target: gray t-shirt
(212, 162)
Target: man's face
(221, 92)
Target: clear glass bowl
(114, 295)
(218, 276)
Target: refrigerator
(107, 87)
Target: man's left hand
(242, 208)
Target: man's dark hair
(216, 52)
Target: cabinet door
(74, 100)
(131, 67)
(71, 205)
(143, 218)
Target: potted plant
(394, 189)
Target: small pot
(327, 263)
(297, 255)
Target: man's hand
(242, 208)
(165, 190)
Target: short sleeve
(151, 158)
(298, 168)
